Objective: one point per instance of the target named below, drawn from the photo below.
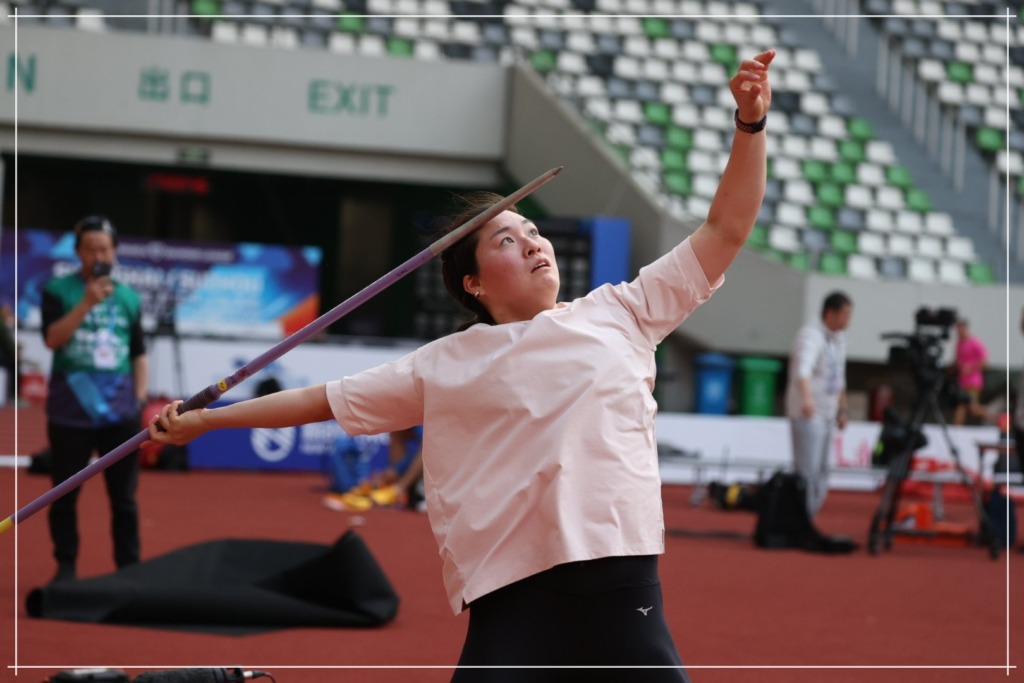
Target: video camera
(896, 437)
(921, 350)
(922, 353)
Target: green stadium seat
(843, 172)
(852, 151)
(860, 129)
(206, 8)
(658, 113)
(918, 200)
(821, 217)
(960, 72)
(543, 61)
(724, 54)
(832, 264)
(656, 27)
(799, 261)
(350, 23)
(814, 171)
(673, 160)
(400, 47)
(758, 237)
(679, 183)
(830, 195)
(898, 176)
(844, 242)
(680, 138)
(980, 274)
(990, 139)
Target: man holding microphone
(97, 386)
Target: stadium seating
(965, 60)
(652, 82)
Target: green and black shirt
(91, 381)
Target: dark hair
(459, 260)
(835, 302)
(94, 224)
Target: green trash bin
(758, 377)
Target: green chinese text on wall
(155, 85)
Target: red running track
(738, 613)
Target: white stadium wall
(169, 100)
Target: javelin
(215, 391)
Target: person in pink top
(971, 357)
(539, 456)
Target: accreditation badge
(103, 356)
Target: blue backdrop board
(254, 291)
(609, 249)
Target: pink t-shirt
(538, 439)
(971, 354)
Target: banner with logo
(286, 449)
(256, 291)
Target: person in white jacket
(816, 394)
(539, 455)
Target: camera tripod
(882, 531)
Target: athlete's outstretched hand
(751, 88)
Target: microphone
(234, 675)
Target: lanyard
(831, 365)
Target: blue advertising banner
(256, 291)
(320, 446)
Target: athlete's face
(517, 275)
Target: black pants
(70, 450)
(600, 613)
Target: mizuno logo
(644, 610)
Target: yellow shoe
(385, 496)
(347, 502)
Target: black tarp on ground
(232, 586)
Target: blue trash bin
(714, 383)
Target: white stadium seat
(862, 266)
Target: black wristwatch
(749, 127)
